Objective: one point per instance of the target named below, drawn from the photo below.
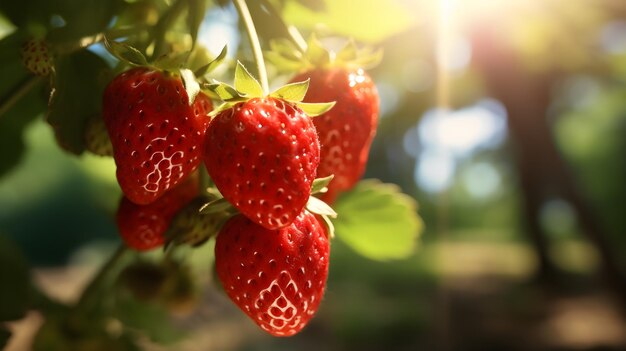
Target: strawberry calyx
(217, 206)
(288, 57)
(193, 228)
(322, 209)
(320, 185)
(172, 63)
(247, 87)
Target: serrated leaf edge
(115, 48)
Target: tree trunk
(542, 170)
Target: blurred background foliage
(505, 120)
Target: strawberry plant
(201, 162)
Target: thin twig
(244, 14)
(25, 87)
(101, 277)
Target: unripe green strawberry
(193, 228)
(145, 280)
(182, 296)
(156, 135)
(277, 277)
(97, 138)
(346, 131)
(142, 227)
(263, 155)
(169, 283)
(37, 57)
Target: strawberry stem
(24, 88)
(244, 14)
(114, 33)
(92, 290)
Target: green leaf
(348, 52)
(125, 53)
(330, 227)
(368, 20)
(173, 61)
(190, 227)
(17, 117)
(38, 13)
(15, 294)
(286, 49)
(195, 15)
(316, 53)
(191, 84)
(378, 221)
(79, 84)
(313, 109)
(218, 205)
(211, 65)
(245, 83)
(213, 193)
(369, 59)
(315, 5)
(319, 207)
(221, 108)
(77, 24)
(293, 92)
(282, 63)
(225, 92)
(149, 318)
(320, 184)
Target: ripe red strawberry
(156, 135)
(142, 227)
(347, 130)
(262, 155)
(36, 57)
(277, 277)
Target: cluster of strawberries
(263, 154)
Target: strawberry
(97, 138)
(277, 277)
(142, 227)
(262, 155)
(346, 131)
(36, 57)
(155, 133)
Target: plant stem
(25, 87)
(244, 14)
(91, 291)
(114, 33)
